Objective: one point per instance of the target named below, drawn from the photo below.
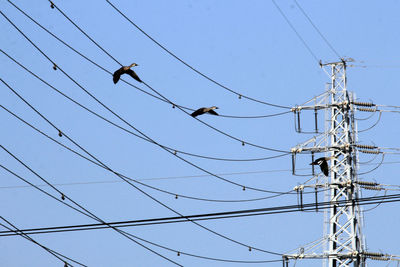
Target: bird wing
(211, 111)
(324, 167)
(198, 112)
(117, 75)
(133, 75)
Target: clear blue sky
(245, 45)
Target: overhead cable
(176, 195)
(105, 225)
(186, 64)
(86, 212)
(64, 259)
(119, 117)
(155, 91)
(295, 31)
(316, 28)
(126, 130)
(183, 159)
(131, 184)
(128, 83)
(214, 216)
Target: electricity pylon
(345, 243)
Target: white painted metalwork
(343, 243)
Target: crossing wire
(316, 28)
(183, 159)
(86, 211)
(214, 216)
(124, 129)
(176, 195)
(295, 31)
(155, 91)
(128, 83)
(104, 225)
(137, 188)
(186, 64)
(56, 254)
(119, 117)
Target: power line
(213, 216)
(186, 64)
(316, 28)
(124, 129)
(182, 177)
(155, 91)
(215, 129)
(128, 83)
(56, 254)
(388, 106)
(190, 163)
(176, 195)
(85, 211)
(137, 188)
(295, 31)
(119, 117)
(105, 225)
(158, 178)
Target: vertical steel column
(344, 238)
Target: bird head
(214, 107)
(133, 65)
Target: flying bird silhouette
(126, 70)
(323, 164)
(201, 111)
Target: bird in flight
(323, 164)
(126, 70)
(201, 111)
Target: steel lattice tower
(345, 242)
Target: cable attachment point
(249, 248)
(240, 96)
(244, 188)
(373, 254)
(380, 258)
(366, 146)
(52, 6)
(178, 253)
(376, 188)
(242, 143)
(54, 66)
(370, 151)
(367, 183)
(62, 196)
(60, 133)
(367, 109)
(363, 104)
(176, 196)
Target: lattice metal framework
(345, 242)
(345, 245)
